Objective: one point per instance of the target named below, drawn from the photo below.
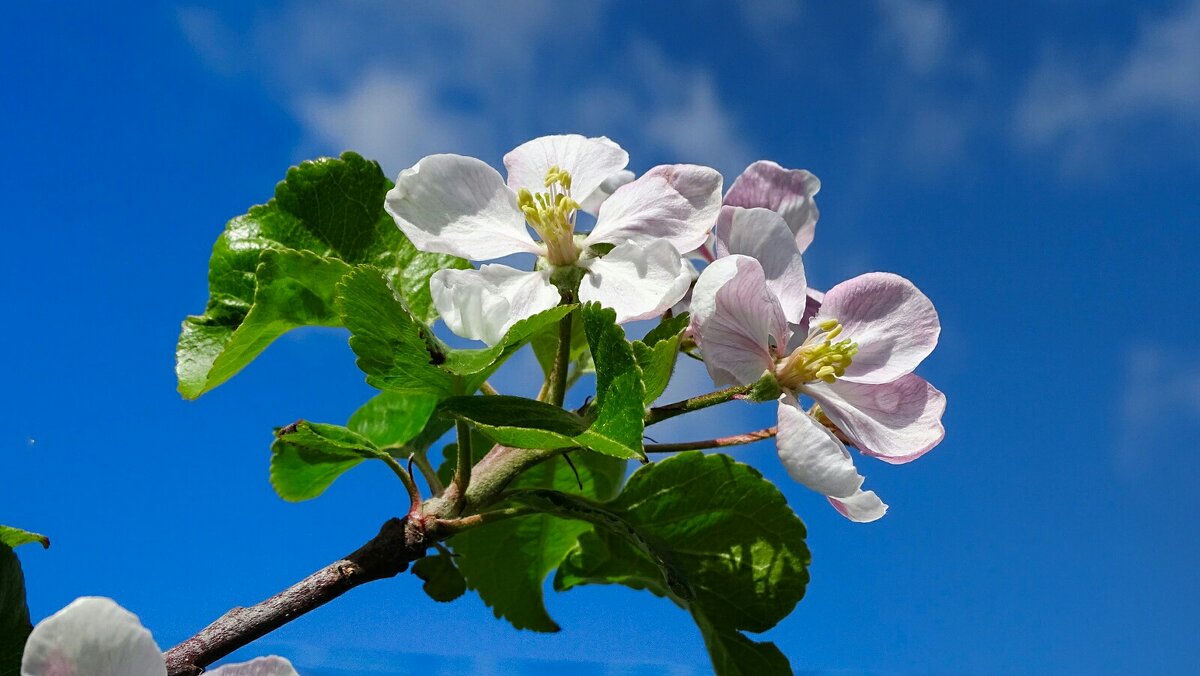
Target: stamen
(819, 358)
(552, 215)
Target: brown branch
(388, 554)
(719, 442)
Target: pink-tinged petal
(482, 304)
(259, 666)
(736, 320)
(762, 234)
(639, 282)
(93, 636)
(814, 457)
(862, 507)
(591, 204)
(460, 206)
(894, 324)
(676, 203)
(790, 192)
(896, 422)
(589, 161)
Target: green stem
(427, 471)
(558, 375)
(449, 527)
(661, 413)
(462, 470)
(719, 442)
(487, 388)
(414, 495)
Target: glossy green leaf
(14, 613)
(15, 537)
(518, 422)
(507, 562)
(443, 581)
(657, 353)
(393, 418)
(331, 208)
(477, 365)
(618, 410)
(545, 345)
(307, 457)
(725, 545)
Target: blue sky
(1031, 166)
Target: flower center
(818, 358)
(552, 215)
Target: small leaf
(443, 581)
(618, 410)
(724, 545)
(331, 209)
(14, 613)
(307, 457)
(507, 562)
(392, 418)
(479, 364)
(657, 353)
(15, 537)
(398, 353)
(518, 422)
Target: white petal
(677, 203)
(93, 636)
(736, 320)
(592, 202)
(589, 161)
(789, 192)
(815, 458)
(259, 666)
(639, 282)
(482, 304)
(894, 324)
(762, 235)
(862, 507)
(896, 422)
(458, 205)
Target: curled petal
(815, 458)
(761, 234)
(259, 666)
(590, 161)
(460, 206)
(93, 636)
(676, 203)
(894, 324)
(896, 422)
(639, 282)
(789, 192)
(482, 304)
(592, 202)
(736, 320)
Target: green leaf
(397, 352)
(618, 410)
(507, 562)
(393, 419)
(477, 365)
(656, 355)
(443, 582)
(331, 208)
(545, 344)
(307, 457)
(518, 422)
(725, 546)
(14, 614)
(15, 537)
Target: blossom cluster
(850, 351)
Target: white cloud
(1160, 407)
(771, 22)
(1084, 113)
(921, 30)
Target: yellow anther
(829, 324)
(819, 358)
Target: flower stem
(661, 413)
(719, 442)
(427, 471)
(558, 375)
(462, 470)
(487, 388)
(414, 494)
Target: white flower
(461, 206)
(93, 636)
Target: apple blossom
(630, 261)
(854, 358)
(93, 636)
